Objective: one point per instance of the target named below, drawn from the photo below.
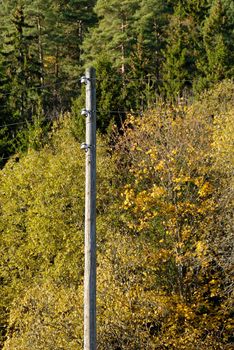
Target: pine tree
(151, 20)
(146, 56)
(216, 62)
(114, 35)
(130, 35)
(185, 46)
(21, 74)
(65, 25)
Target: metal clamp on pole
(84, 80)
(85, 112)
(84, 146)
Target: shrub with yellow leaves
(172, 191)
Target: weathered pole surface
(90, 214)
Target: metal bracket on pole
(85, 112)
(85, 147)
(84, 80)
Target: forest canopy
(142, 50)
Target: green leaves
(42, 217)
(41, 224)
(47, 317)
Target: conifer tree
(216, 61)
(151, 20)
(146, 56)
(65, 25)
(178, 65)
(114, 34)
(20, 77)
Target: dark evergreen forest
(165, 108)
(142, 50)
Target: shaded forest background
(165, 172)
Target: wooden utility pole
(90, 212)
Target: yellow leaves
(185, 310)
(153, 152)
(186, 233)
(201, 253)
(141, 201)
(179, 259)
(179, 245)
(157, 191)
(149, 151)
(207, 206)
(205, 190)
(223, 141)
(160, 166)
(129, 196)
(49, 60)
(185, 208)
(201, 248)
(198, 181)
(40, 310)
(131, 225)
(164, 255)
(142, 204)
(174, 205)
(213, 281)
(181, 179)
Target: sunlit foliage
(164, 229)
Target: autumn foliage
(177, 198)
(164, 228)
